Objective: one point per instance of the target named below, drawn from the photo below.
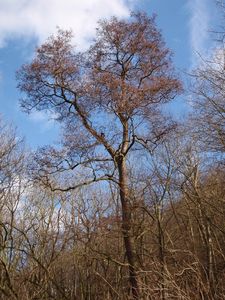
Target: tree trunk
(163, 293)
(126, 225)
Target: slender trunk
(210, 258)
(163, 295)
(126, 225)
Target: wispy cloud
(199, 28)
(46, 119)
(39, 18)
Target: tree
(109, 100)
(12, 185)
(210, 108)
(208, 93)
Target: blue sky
(24, 24)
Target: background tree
(208, 93)
(210, 108)
(12, 186)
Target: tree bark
(126, 225)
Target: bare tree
(109, 100)
(208, 93)
(12, 184)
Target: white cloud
(199, 28)
(29, 19)
(45, 119)
(39, 18)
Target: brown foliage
(124, 77)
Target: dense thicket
(130, 205)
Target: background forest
(130, 204)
